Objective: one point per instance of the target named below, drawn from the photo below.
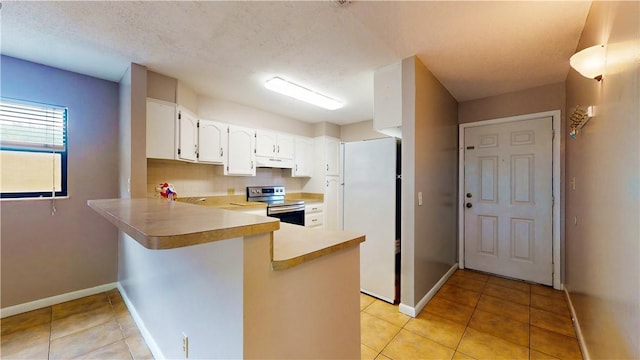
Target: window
(33, 149)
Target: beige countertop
(294, 245)
(238, 202)
(161, 224)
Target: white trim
(384, 298)
(151, 343)
(577, 328)
(54, 300)
(414, 311)
(555, 114)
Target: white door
(241, 151)
(508, 199)
(187, 136)
(332, 156)
(284, 147)
(369, 203)
(266, 143)
(212, 141)
(161, 124)
(303, 155)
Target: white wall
(603, 243)
(196, 290)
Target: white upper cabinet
(332, 156)
(212, 142)
(303, 157)
(274, 149)
(241, 151)
(187, 135)
(387, 100)
(161, 132)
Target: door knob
(469, 205)
(469, 195)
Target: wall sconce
(590, 62)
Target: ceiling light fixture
(295, 91)
(590, 62)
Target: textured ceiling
(228, 49)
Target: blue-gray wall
(44, 255)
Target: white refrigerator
(371, 182)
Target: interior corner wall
(133, 132)
(44, 255)
(603, 210)
(529, 101)
(429, 166)
(161, 87)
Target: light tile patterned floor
(473, 316)
(94, 327)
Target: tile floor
(94, 327)
(473, 316)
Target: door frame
(555, 115)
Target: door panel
(508, 202)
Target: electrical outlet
(185, 345)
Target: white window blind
(32, 127)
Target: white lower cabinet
(314, 215)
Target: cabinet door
(161, 131)
(266, 143)
(332, 156)
(241, 151)
(303, 157)
(187, 135)
(285, 147)
(212, 141)
(331, 203)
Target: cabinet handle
(312, 220)
(274, 148)
(278, 149)
(327, 167)
(296, 167)
(221, 152)
(327, 183)
(251, 165)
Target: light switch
(419, 198)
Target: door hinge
(553, 134)
(198, 124)
(179, 115)
(553, 201)
(178, 151)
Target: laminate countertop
(160, 224)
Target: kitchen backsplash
(208, 180)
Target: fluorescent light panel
(298, 92)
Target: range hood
(273, 162)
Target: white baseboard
(151, 343)
(53, 300)
(576, 327)
(414, 311)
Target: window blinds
(32, 127)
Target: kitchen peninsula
(236, 285)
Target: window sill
(34, 198)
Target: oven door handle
(285, 209)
